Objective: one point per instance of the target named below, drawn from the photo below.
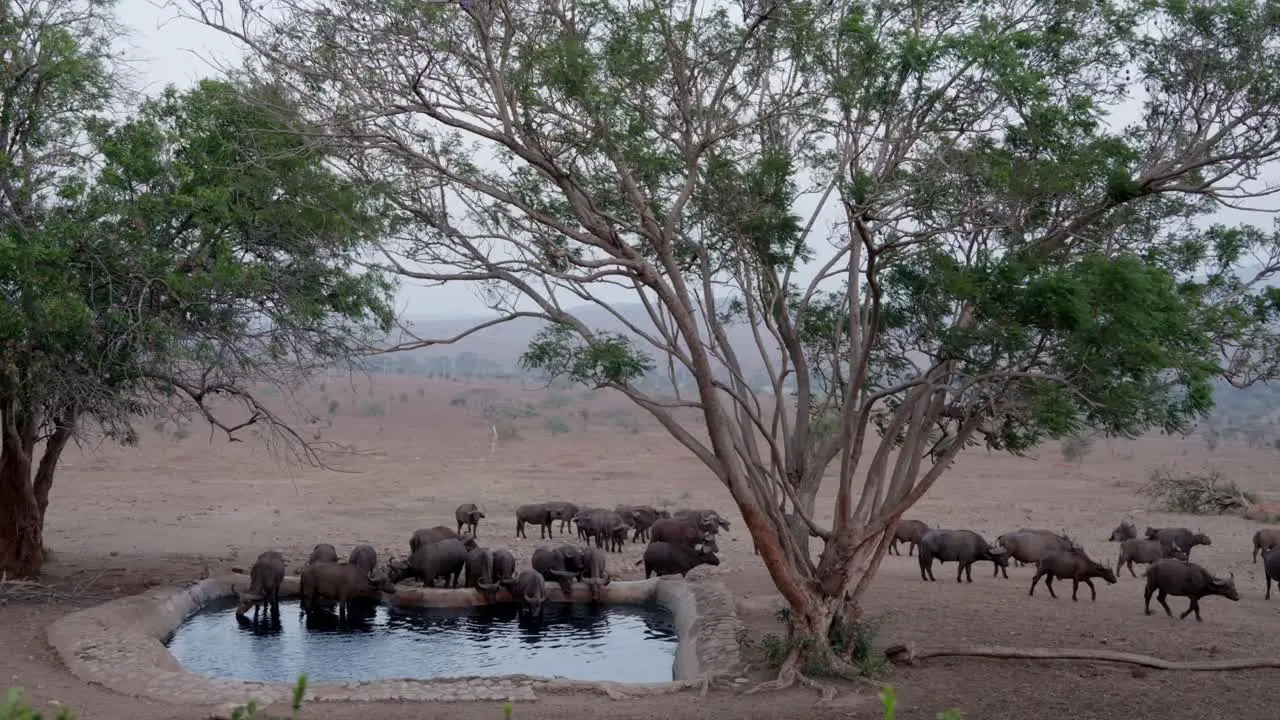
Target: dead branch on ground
(909, 655)
(1196, 494)
(30, 591)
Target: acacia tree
(187, 254)
(944, 223)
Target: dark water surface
(580, 642)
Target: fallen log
(909, 655)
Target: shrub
(507, 431)
(556, 425)
(852, 642)
(14, 707)
(375, 408)
(557, 400)
(333, 407)
(1203, 494)
(1076, 447)
(889, 701)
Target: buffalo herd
(676, 543)
(1165, 552)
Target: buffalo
(682, 532)
(1180, 578)
(959, 546)
(664, 558)
(469, 516)
(596, 572)
(363, 557)
(322, 553)
(1071, 565)
(479, 569)
(530, 589)
(265, 578)
(444, 559)
(910, 532)
(340, 583)
(562, 564)
(541, 515)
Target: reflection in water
(582, 642)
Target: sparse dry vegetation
(1206, 493)
(1077, 447)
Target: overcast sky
(167, 49)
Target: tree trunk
(799, 530)
(21, 524)
(822, 606)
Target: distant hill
(496, 351)
(498, 348)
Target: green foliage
(333, 407)
(889, 701)
(602, 360)
(15, 707)
(374, 408)
(191, 250)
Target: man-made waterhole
(626, 643)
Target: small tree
(987, 254)
(184, 255)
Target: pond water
(623, 643)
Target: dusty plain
(181, 505)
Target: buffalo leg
(893, 547)
(1131, 572)
(1034, 581)
(1093, 591)
(1160, 598)
(1147, 599)
(1268, 588)
(1048, 585)
(1075, 590)
(1193, 607)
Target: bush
(557, 400)
(556, 425)
(1206, 494)
(507, 431)
(852, 642)
(333, 407)
(1076, 447)
(375, 408)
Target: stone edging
(119, 645)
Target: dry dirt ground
(122, 519)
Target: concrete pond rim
(120, 645)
